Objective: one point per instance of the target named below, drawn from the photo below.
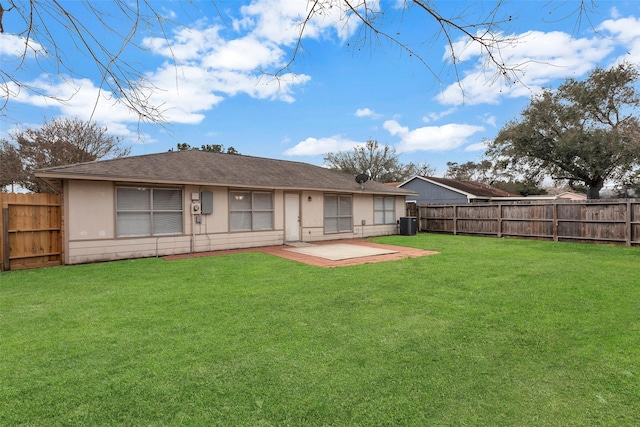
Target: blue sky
(342, 88)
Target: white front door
(291, 217)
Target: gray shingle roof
(204, 168)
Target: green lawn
(489, 332)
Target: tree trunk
(594, 188)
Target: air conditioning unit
(196, 208)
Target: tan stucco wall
(312, 211)
(362, 209)
(278, 211)
(90, 211)
(218, 221)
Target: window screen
(338, 216)
(250, 210)
(384, 210)
(148, 211)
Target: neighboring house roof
(470, 189)
(567, 195)
(571, 196)
(204, 168)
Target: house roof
(570, 195)
(204, 168)
(472, 189)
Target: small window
(338, 214)
(148, 211)
(250, 211)
(384, 210)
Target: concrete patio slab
(340, 251)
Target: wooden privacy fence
(598, 221)
(31, 231)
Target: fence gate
(31, 231)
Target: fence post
(455, 219)
(627, 224)
(499, 220)
(5, 237)
(555, 221)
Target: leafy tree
(630, 187)
(522, 187)
(183, 146)
(584, 132)
(60, 142)
(420, 168)
(87, 25)
(211, 148)
(634, 183)
(470, 171)
(486, 172)
(381, 163)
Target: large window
(338, 213)
(148, 211)
(384, 210)
(250, 210)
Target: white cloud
(490, 119)
(280, 21)
(626, 32)
(273, 20)
(627, 28)
(430, 138)
(245, 54)
(83, 100)
(367, 112)
(186, 44)
(539, 58)
(315, 146)
(17, 47)
(615, 13)
(212, 67)
(478, 146)
(437, 116)
(78, 98)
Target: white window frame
(251, 213)
(385, 207)
(338, 217)
(148, 213)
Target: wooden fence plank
(602, 221)
(4, 236)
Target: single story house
(432, 190)
(196, 201)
